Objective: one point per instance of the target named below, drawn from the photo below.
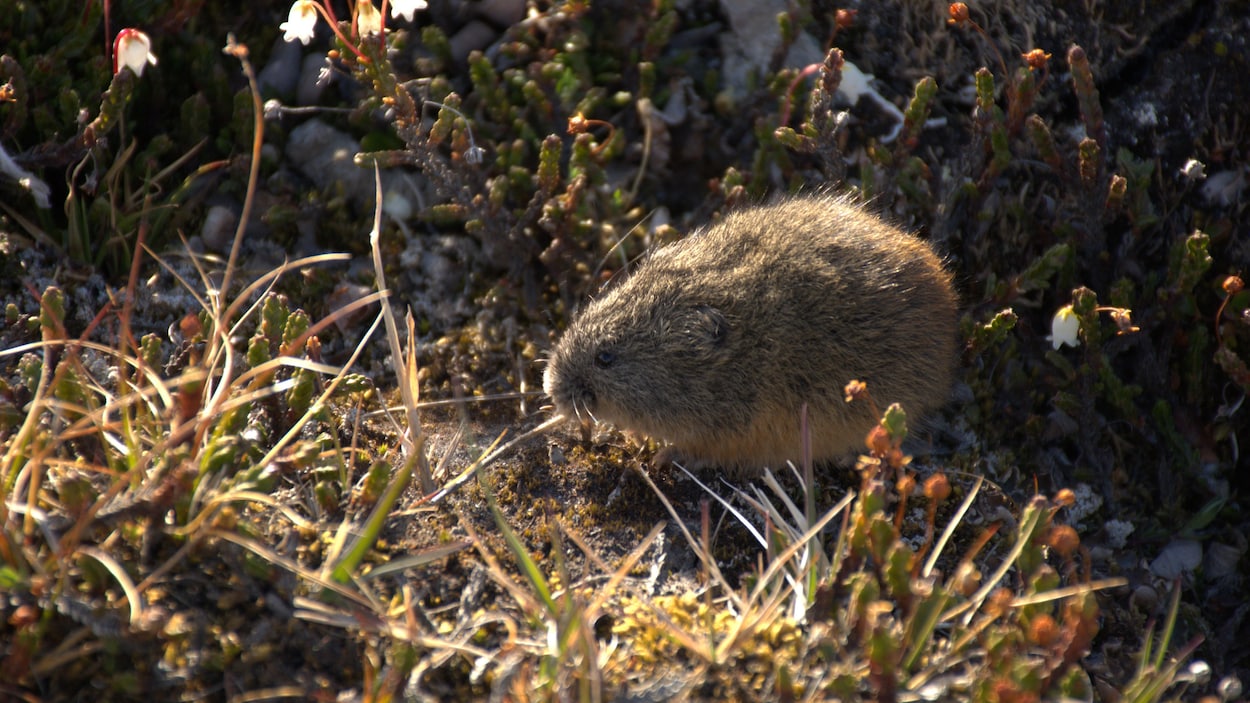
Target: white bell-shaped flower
(300, 22)
(132, 49)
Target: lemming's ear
(708, 324)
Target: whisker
(458, 401)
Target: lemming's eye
(604, 359)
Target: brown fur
(715, 342)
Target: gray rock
(281, 72)
(310, 87)
(1178, 558)
(220, 223)
(326, 156)
(474, 35)
(501, 13)
(754, 35)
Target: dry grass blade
(949, 531)
(426, 556)
(781, 560)
(969, 608)
(405, 363)
(319, 403)
(341, 563)
(123, 580)
(708, 561)
(538, 582)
